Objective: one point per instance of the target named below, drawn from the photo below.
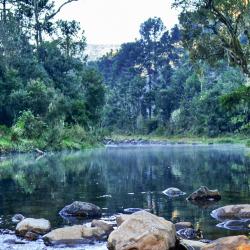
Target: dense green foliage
(46, 89)
(157, 85)
(190, 80)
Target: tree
(215, 29)
(70, 41)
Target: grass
(232, 139)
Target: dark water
(132, 176)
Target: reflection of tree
(42, 187)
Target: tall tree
(216, 29)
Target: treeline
(191, 80)
(49, 97)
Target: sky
(117, 21)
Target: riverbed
(120, 177)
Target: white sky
(117, 21)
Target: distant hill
(95, 51)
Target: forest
(192, 80)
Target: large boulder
(121, 218)
(203, 193)
(74, 235)
(229, 243)
(81, 209)
(38, 226)
(143, 231)
(173, 192)
(233, 212)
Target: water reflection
(119, 178)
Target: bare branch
(47, 18)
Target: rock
(121, 218)
(81, 209)
(232, 212)
(192, 244)
(38, 226)
(31, 236)
(173, 192)
(235, 224)
(203, 193)
(240, 242)
(17, 218)
(143, 231)
(74, 235)
(107, 228)
(190, 233)
(132, 210)
(183, 225)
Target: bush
(28, 126)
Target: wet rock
(81, 209)
(107, 228)
(31, 236)
(121, 218)
(17, 218)
(235, 224)
(203, 193)
(232, 212)
(132, 210)
(173, 192)
(190, 233)
(192, 244)
(229, 243)
(77, 234)
(183, 225)
(143, 230)
(38, 226)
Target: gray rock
(17, 218)
(173, 192)
(192, 245)
(107, 228)
(73, 235)
(81, 209)
(203, 193)
(232, 212)
(183, 225)
(38, 226)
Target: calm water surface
(116, 178)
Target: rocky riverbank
(138, 229)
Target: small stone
(183, 225)
(17, 218)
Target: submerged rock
(173, 192)
(143, 230)
(17, 218)
(190, 233)
(235, 224)
(183, 225)
(192, 244)
(203, 193)
(229, 243)
(132, 210)
(73, 235)
(232, 212)
(81, 209)
(38, 226)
